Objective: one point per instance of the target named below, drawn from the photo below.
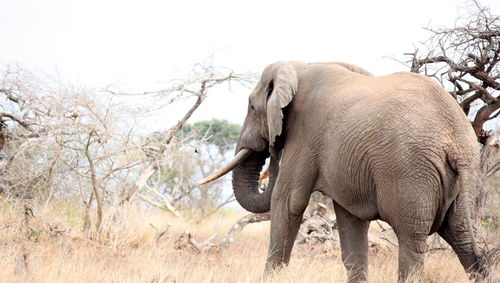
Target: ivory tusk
(240, 156)
(264, 174)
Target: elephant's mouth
(246, 167)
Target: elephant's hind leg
(353, 234)
(409, 203)
(412, 225)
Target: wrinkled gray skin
(396, 148)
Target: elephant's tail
(467, 196)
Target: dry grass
(127, 251)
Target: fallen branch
(160, 234)
(5, 227)
(186, 239)
(240, 224)
(317, 228)
(382, 228)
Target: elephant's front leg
(290, 198)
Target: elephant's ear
(281, 88)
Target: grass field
(48, 245)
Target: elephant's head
(259, 136)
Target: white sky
(140, 44)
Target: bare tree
(203, 78)
(465, 60)
(65, 141)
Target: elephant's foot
(272, 267)
(411, 258)
(480, 271)
(282, 239)
(356, 275)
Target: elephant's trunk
(246, 183)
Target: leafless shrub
(63, 141)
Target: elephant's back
(402, 127)
(408, 101)
(419, 106)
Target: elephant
(396, 148)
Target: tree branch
(95, 185)
(201, 94)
